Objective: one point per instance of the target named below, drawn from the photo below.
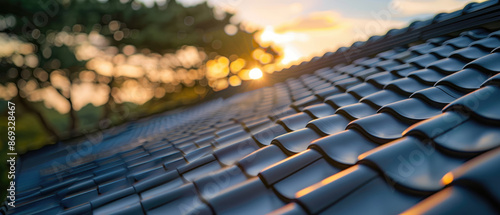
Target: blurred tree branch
(29, 108)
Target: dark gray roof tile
(200, 170)
(480, 174)
(388, 54)
(41, 203)
(251, 195)
(368, 62)
(447, 65)
(470, 137)
(253, 125)
(434, 96)
(355, 111)
(495, 80)
(289, 209)
(422, 48)
(320, 196)
(405, 86)
(324, 70)
(478, 33)
(146, 173)
(374, 197)
(482, 104)
(454, 200)
(437, 125)
(310, 100)
(403, 56)
(361, 90)
(466, 80)
(381, 79)
(126, 205)
(296, 141)
(459, 42)
(223, 132)
(403, 70)
(487, 44)
(80, 209)
(385, 65)
(319, 110)
(423, 61)
(255, 162)
(340, 100)
(426, 76)
(346, 83)
(215, 182)
(411, 110)
(486, 64)
(112, 186)
(313, 173)
(337, 78)
(230, 154)
(164, 187)
(155, 181)
(329, 124)
(442, 51)
(266, 135)
(282, 113)
(343, 148)
(80, 186)
(468, 54)
(322, 94)
(381, 98)
(175, 201)
(438, 40)
(319, 85)
(366, 73)
(295, 122)
(370, 126)
(329, 75)
(283, 169)
(79, 198)
(412, 165)
(186, 148)
(495, 34)
(198, 153)
(198, 209)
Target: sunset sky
(306, 28)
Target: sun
(255, 73)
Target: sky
(308, 28)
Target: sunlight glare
(285, 40)
(290, 54)
(269, 35)
(255, 73)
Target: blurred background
(74, 67)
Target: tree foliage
(52, 29)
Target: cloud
(325, 20)
(268, 12)
(314, 34)
(416, 7)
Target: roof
(409, 127)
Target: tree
(54, 29)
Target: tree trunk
(73, 124)
(108, 106)
(46, 125)
(73, 117)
